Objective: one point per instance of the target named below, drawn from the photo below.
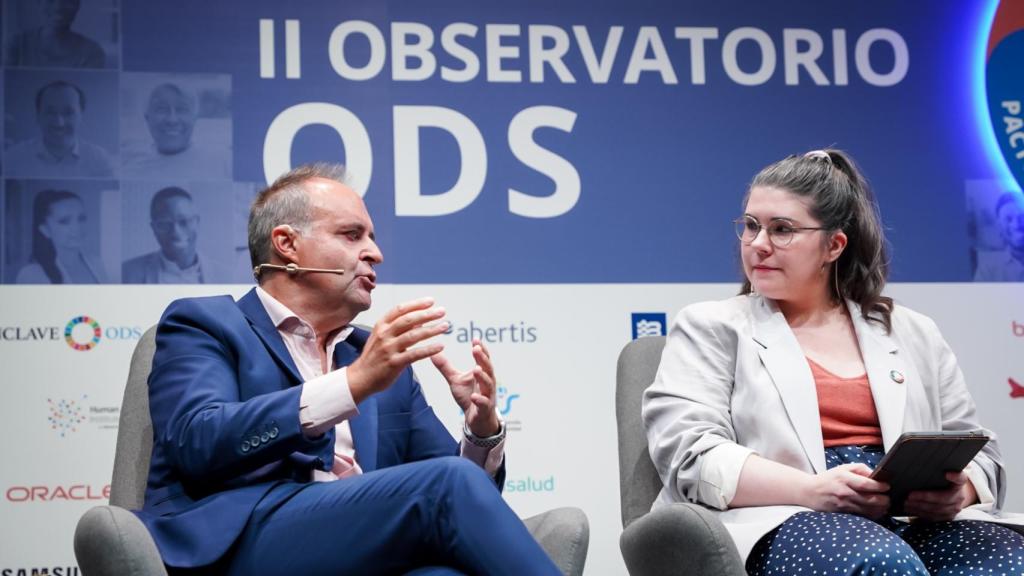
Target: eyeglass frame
(771, 237)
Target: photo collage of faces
(995, 229)
(112, 176)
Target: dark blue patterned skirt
(833, 543)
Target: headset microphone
(291, 268)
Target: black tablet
(920, 460)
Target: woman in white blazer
(772, 407)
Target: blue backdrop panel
(662, 166)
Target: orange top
(848, 415)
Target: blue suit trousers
(441, 515)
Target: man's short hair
(1009, 198)
(172, 87)
(164, 195)
(55, 85)
(285, 202)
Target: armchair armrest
(679, 539)
(564, 534)
(110, 541)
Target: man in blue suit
(288, 441)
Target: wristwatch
(487, 441)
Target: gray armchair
(110, 540)
(677, 539)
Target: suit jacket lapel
(784, 360)
(363, 426)
(888, 373)
(261, 324)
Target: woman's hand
(940, 505)
(847, 488)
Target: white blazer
(733, 378)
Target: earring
(835, 276)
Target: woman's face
(798, 271)
(65, 224)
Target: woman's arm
(686, 411)
(845, 488)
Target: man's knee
(462, 468)
(462, 475)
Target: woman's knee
(828, 542)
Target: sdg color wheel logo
(1005, 83)
(82, 333)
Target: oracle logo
(52, 493)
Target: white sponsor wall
(555, 348)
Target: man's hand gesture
(474, 390)
(390, 348)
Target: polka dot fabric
(966, 547)
(826, 543)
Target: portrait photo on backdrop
(61, 34)
(996, 231)
(52, 232)
(63, 125)
(772, 408)
(185, 222)
(244, 194)
(281, 425)
(176, 126)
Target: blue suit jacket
(224, 397)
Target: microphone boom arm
(292, 268)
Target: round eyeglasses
(780, 231)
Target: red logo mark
(1016, 390)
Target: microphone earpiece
(292, 269)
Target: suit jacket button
(245, 446)
(255, 441)
(273, 432)
(264, 437)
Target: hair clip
(819, 154)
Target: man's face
(175, 224)
(60, 13)
(1011, 222)
(58, 116)
(340, 235)
(171, 115)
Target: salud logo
(82, 333)
(504, 400)
(504, 405)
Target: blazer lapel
(888, 374)
(784, 360)
(261, 324)
(363, 426)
